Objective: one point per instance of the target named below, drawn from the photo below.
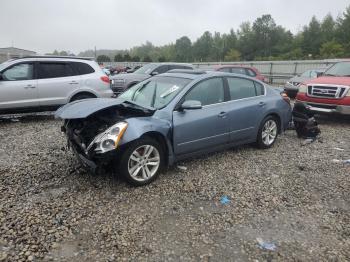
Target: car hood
(299, 79)
(130, 77)
(87, 107)
(330, 80)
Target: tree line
(261, 40)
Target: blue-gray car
(170, 117)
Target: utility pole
(95, 52)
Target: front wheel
(142, 162)
(268, 132)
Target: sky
(78, 25)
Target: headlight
(109, 139)
(302, 88)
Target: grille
(326, 91)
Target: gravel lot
(293, 196)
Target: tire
(268, 132)
(82, 96)
(140, 173)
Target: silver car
(46, 82)
(292, 85)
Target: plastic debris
(347, 161)
(308, 141)
(182, 168)
(266, 245)
(338, 148)
(224, 200)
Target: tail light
(105, 79)
(285, 97)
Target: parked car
(170, 117)
(242, 70)
(329, 93)
(292, 85)
(122, 82)
(46, 82)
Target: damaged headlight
(109, 139)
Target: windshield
(339, 69)
(4, 64)
(156, 92)
(146, 69)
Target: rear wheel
(268, 132)
(142, 162)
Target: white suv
(46, 82)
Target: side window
(260, 89)
(239, 70)
(54, 70)
(250, 72)
(19, 72)
(161, 69)
(241, 88)
(225, 69)
(82, 68)
(186, 67)
(208, 92)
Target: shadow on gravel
(330, 119)
(26, 117)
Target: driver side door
(202, 129)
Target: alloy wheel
(269, 132)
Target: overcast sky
(78, 25)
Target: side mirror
(319, 74)
(191, 105)
(154, 73)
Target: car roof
(229, 66)
(206, 74)
(52, 58)
(171, 63)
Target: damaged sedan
(170, 117)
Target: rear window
(82, 68)
(239, 70)
(250, 72)
(54, 70)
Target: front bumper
(327, 108)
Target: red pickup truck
(329, 93)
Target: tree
(147, 59)
(328, 28)
(183, 49)
(127, 58)
(263, 35)
(135, 59)
(103, 58)
(343, 31)
(118, 58)
(331, 49)
(233, 55)
(202, 48)
(161, 59)
(245, 41)
(312, 38)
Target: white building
(13, 52)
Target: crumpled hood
(87, 107)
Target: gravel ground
(293, 197)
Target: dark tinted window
(225, 69)
(208, 92)
(162, 69)
(250, 72)
(241, 88)
(82, 68)
(54, 70)
(186, 67)
(239, 70)
(18, 72)
(260, 90)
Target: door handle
(222, 114)
(29, 86)
(262, 104)
(73, 83)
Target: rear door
(205, 128)
(18, 88)
(56, 81)
(246, 108)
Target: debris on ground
(308, 141)
(347, 161)
(338, 148)
(266, 245)
(182, 168)
(225, 200)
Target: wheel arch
(82, 93)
